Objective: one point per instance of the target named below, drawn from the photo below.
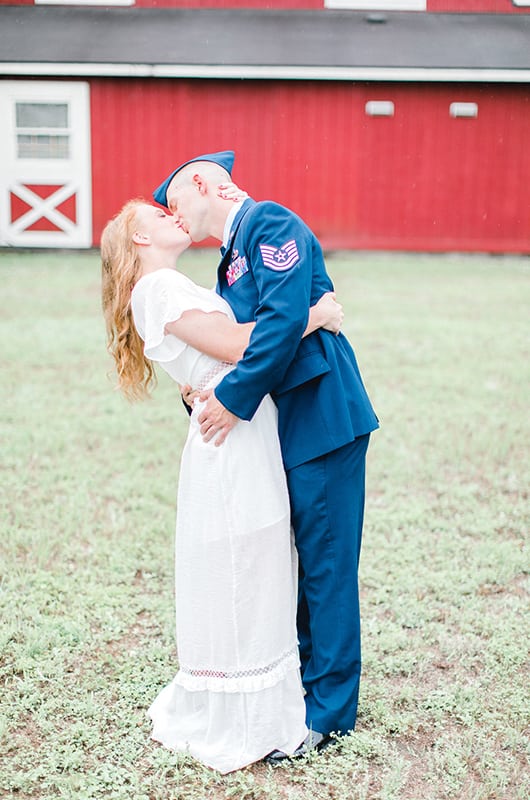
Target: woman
(237, 694)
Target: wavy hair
(120, 267)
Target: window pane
(42, 115)
(42, 146)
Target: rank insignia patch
(280, 258)
(237, 269)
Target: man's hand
(215, 419)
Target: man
(272, 269)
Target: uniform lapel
(227, 255)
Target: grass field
(86, 572)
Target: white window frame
(66, 132)
(378, 5)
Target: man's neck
(219, 212)
(229, 222)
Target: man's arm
(279, 248)
(327, 313)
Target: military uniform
(272, 270)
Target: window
(42, 130)
(468, 110)
(379, 108)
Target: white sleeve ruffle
(165, 301)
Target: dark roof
(239, 38)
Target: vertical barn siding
(434, 182)
(473, 6)
(286, 4)
(417, 180)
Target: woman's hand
(230, 191)
(329, 313)
(188, 394)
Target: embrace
(268, 629)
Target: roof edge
(265, 72)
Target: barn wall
(472, 6)
(263, 4)
(467, 6)
(417, 180)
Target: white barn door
(45, 174)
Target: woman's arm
(218, 336)
(212, 333)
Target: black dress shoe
(317, 741)
(278, 757)
(313, 741)
(324, 742)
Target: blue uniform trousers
(327, 506)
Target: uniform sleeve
(167, 296)
(280, 249)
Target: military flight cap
(225, 159)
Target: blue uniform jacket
(272, 271)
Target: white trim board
(255, 72)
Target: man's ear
(200, 183)
(141, 238)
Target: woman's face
(163, 229)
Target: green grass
(86, 572)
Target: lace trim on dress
(206, 379)
(248, 680)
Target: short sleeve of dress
(158, 298)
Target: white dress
(237, 694)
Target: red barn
(392, 124)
